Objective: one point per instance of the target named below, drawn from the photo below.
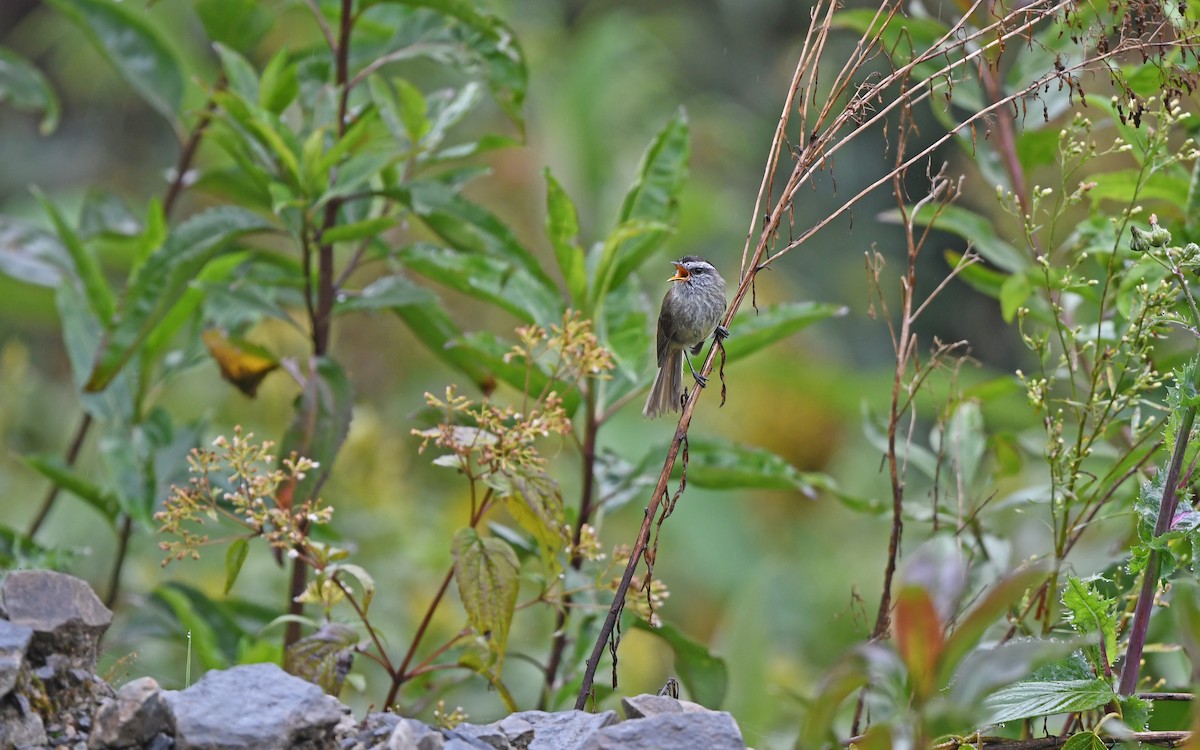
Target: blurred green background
(777, 583)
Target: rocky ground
(50, 697)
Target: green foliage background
(777, 584)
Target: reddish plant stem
(1145, 601)
(558, 647)
(322, 316)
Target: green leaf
(31, 254)
(321, 422)
(467, 226)
(705, 675)
(491, 46)
(365, 581)
(159, 282)
(435, 329)
(1085, 741)
(358, 230)
(85, 266)
(82, 335)
(205, 643)
(324, 657)
(489, 279)
(239, 24)
(977, 230)
(653, 198)
(1089, 612)
(65, 477)
(412, 110)
(135, 48)
(25, 88)
(278, 86)
(241, 76)
(387, 293)
(969, 629)
(751, 332)
(534, 500)
(721, 464)
(235, 557)
(1014, 291)
(486, 572)
(562, 228)
(1025, 700)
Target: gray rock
(564, 730)
(476, 736)
(14, 640)
(254, 707)
(133, 717)
(641, 706)
(711, 730)
(411, 734)
(20, 728)
(161, 742)
(64, 613)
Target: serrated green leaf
(1088, 612)
(562, 228)
(323, 658)
(534, 500)
(235, 557)
(135, 48)
(158, 283)
(1026, 700)
(25, 88)
(84, 264)
(486, 572)
(704, 674)
(489, 279)
(65, 477)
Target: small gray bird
(691, 312)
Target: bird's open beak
(681, 273)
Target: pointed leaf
(491, 47)
(387, 293)
(919, 637)
(1090, 612)
(135, 48)
(653, 198)
(1025, 700)
(159, 282)
(24, 87)
(486, 572)
(489, 279)
(562, 227)
(65, 477)
(365, 581)
(235, 557)
(85, 265)
(722, 464)
(979, 233)
(467, 226)
(750, 332)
